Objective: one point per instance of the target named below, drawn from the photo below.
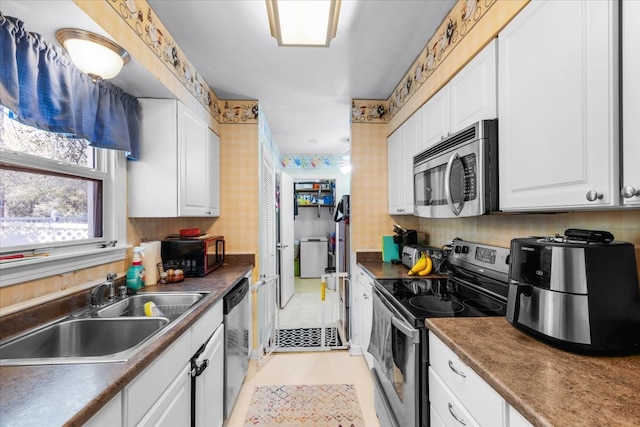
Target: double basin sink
(111, 333)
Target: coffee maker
(403, 237)
(580, 295)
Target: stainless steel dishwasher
(236, 342)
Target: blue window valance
(44, 89)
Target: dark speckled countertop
(548, 386)
(54, 395)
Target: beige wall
(369, 186)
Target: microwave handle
(447, 186)
(220, 254)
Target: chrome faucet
(111, 277)
(97, 294)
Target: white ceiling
(305, 93)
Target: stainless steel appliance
(476, 286)
(577, 294)
(236, 342)
(411, 254)
(403, 237)
(196, 256)
(458, 177)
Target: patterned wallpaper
(143, 20)
(461, 19)
(311, 161)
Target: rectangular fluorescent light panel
(303, 23)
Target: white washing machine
(313, 256)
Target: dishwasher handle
(235, 295)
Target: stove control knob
(457, 249)
(465, 249)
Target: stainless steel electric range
(475, 284)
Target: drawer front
(206, 326)
(449, 410)
(478, 397)
(364, 279)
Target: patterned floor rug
(325, 405)
(308, 337)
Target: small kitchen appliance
(476, 286)
(458, 177)
(411, 255)
(403, 237)
(578, 292)
(196, 256)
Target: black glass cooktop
(418, 299)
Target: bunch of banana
(422, 267)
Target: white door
(630, 103)
(286, 239)
(268, 236)
(558, 106)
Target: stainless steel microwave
(458, 177)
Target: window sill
(26, 270)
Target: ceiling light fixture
(93, 54)
(311, 23)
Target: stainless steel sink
(85, 340)
(172, 304)
(113, 333)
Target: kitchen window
(58, 206)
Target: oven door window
(429, 185)
(401, 346)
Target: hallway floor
(304, 309)
(327, 367)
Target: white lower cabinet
(365, 310)
(517, 420)
(149, 388)
(210, 385)
(467, 395)
(109, 416)
(458, 396)
(173, 408)
(451, 412)
(161, 394)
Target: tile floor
(305, 309)
(327, 367)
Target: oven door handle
(407, 330)
(447, 186)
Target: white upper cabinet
(558, 101)
(469, 97)
(179, 170)
(473, 90)
(630, 103)
(436, 118)
(402, 145)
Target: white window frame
(67, 257)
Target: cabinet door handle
(593, 195)
(453, 414)
(453, 368)
(629, 192)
